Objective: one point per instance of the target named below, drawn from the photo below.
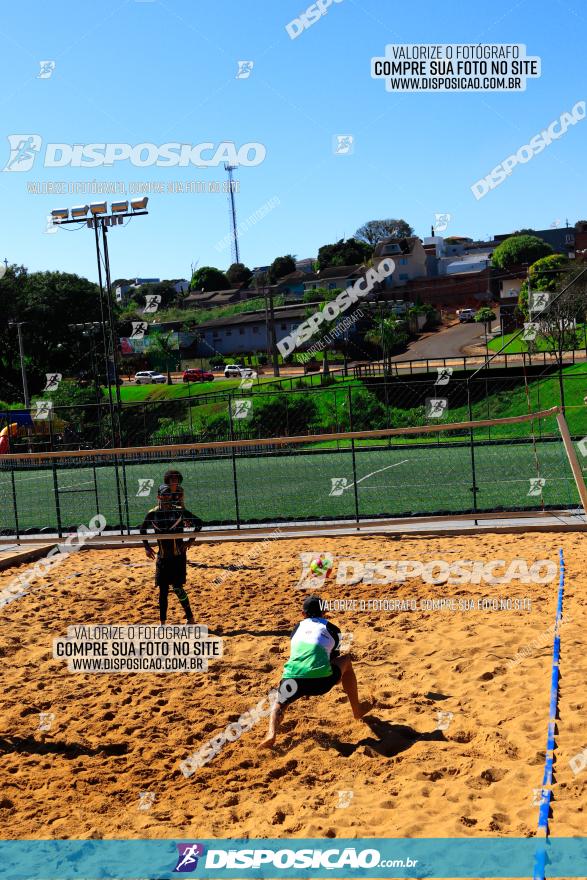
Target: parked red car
(197, 375)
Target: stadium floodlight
(100, 220)
(98, 207)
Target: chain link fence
(339, 404)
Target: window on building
(403, 261)
(241, 331)
(228, 332)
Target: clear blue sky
(134, 72)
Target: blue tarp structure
(22, 417)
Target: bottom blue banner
(255, 858)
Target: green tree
(388, 333)
(280, 267)
(344, 253)
(162, 343)
(284, 415)
(46, 302)
(519, 250)
(376, 230)
(238, 273)
(209, 278)
(485, 316)
(558, 321)
(320, 293)
(164, 289)
(544, 274)
(326, 328)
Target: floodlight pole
(95, 221)
(104, 337)
(110, 316)
(25, 387)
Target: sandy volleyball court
(115, 737)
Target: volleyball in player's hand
(321, 566)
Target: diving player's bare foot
(364, 708)
(269, 741)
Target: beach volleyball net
(522, 463)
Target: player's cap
(312, 607)
(164, 491)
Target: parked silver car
(149, 377)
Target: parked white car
(238, 371)
(150, 377)
(466, 315)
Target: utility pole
(272, 339)
(25, 387)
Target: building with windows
(333, 277)
(408, 255)
(247, 332)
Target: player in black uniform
(171, 567)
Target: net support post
(353, 457)
(57, 502)
(573, 460)
(234, 470)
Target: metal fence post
(191, 420)
(472, 442)
(96, 494)
(57, 504)
(118, 498)
(15, 504)
(13, 482)
(356, 491)
(234, 471)
(125, 489)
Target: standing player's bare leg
(275, 719)
(350, 687)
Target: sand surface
(116, 736)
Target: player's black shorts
(171, 572)
(309, 687)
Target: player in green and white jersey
(315, 667)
